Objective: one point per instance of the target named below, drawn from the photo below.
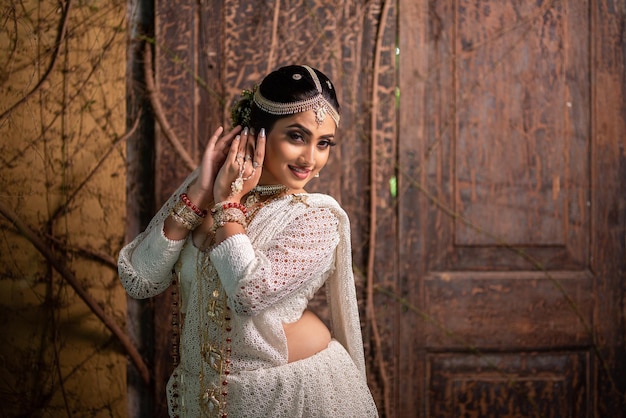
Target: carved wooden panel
(538, 385)
(207, 52)
(509, 126)
(513, 310)
(175, 64)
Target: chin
(296, 185)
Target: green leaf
(393, 187)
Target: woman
(250, 248)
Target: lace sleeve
(145, 264)
(302, 251)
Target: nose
(308, 155)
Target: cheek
(281, 152)
(323, 157)
(274, 154)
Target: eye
(295, 136)
(325, 143)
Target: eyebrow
(307, 131)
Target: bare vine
(65, 272)
(61, 34)
(57, 81)
(370, 307)
(159, 113)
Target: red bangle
(227, 205)
(235, 205)
(190, 205)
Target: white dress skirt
(326, 384)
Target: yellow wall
(56, 357)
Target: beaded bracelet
(200, 212)
(228, 204)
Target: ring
(250, 176)
(248, 157)
(255, 164)
(239, 156)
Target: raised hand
(241, 170)
(215, 153)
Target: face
(297, 149)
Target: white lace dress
(293, 246)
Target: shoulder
(316, 211)
(320, 200)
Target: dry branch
(69, 276)
(55, 55)
(153, 95)
(370, 309)
(89, 253)
(61, 209)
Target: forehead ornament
(318, 103)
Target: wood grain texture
(608, 243)
(509, 193)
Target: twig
(57, 363)
(160, 114)
(61, 209)
(60, 266)
(370, 308)
(90, 253)
(270, 57)
(53, 61)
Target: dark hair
(288, 84)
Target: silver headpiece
(317, 103)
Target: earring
(316, 175)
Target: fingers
(259, 151)
(232, 133)
(226, 141)
(213, 140)
(233, 150)
(216, 134)
(218, 142)
(243, 143)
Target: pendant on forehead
(320, 114)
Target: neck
(269, 189)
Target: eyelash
(325, 143)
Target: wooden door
(511, 219)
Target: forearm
(256, 278)
(202, 197)
(228, 230)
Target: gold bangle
(184, 215)
(222, 216)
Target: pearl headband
(317, 103)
